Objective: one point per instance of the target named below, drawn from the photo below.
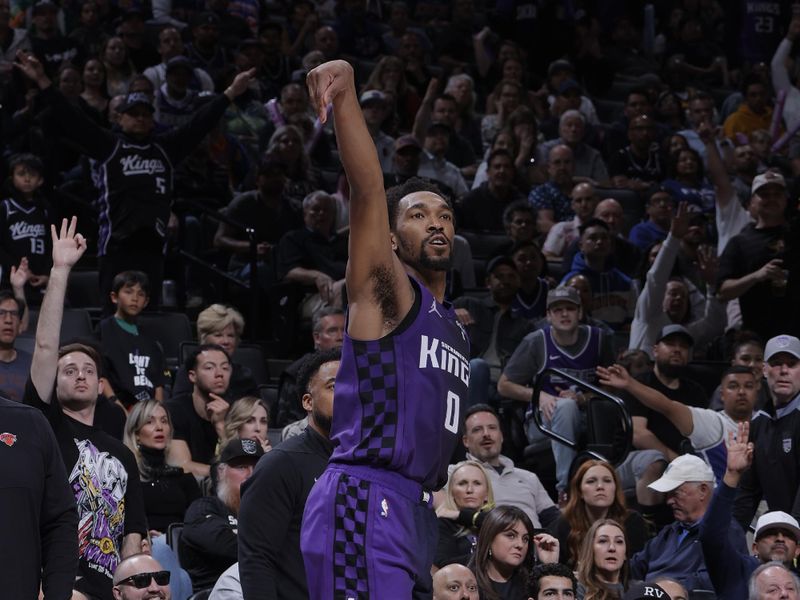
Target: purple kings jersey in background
(399, 400)
(581, 365)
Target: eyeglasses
(9, 313)
(142, 580)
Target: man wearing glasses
(140, 576)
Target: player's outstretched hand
(68, 246)
(326, 82)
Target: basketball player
(368, 528)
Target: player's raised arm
(372, 261)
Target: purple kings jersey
(580, 365)
(398, 400)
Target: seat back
(83, 290)
(76, 324)
(169, 329)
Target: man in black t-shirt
(198, 418)
(757, 265)
(101, 471)
(269, 212)
(655, 439)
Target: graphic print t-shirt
(104, 478)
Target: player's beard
(424, 261)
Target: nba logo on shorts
(787, 445)
(384, 508)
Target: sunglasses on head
(142, 580)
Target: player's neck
(435, 281)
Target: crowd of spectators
(624, 178)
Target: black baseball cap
(238, 449)
(135, 99)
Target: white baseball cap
(681, 470)
(767, 178)
(777, 519)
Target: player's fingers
(73, 225)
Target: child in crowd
(133, 363)
(25, 219)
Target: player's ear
(306, 402)
(394, 241)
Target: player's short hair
(190, 364)
(398, 192)
(131, 278)
(312, 363)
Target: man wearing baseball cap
(653, 430)
(494, 330)
(567, 345)
(375, 106)
(434, 164)
(755, 267)
(209, 542)
(688, 483)
(777, 533)
(775, 431)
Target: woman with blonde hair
(247, 418)
(595, 493)
(167, 490)
(222, 325)
(602, 562)
(468, 497)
